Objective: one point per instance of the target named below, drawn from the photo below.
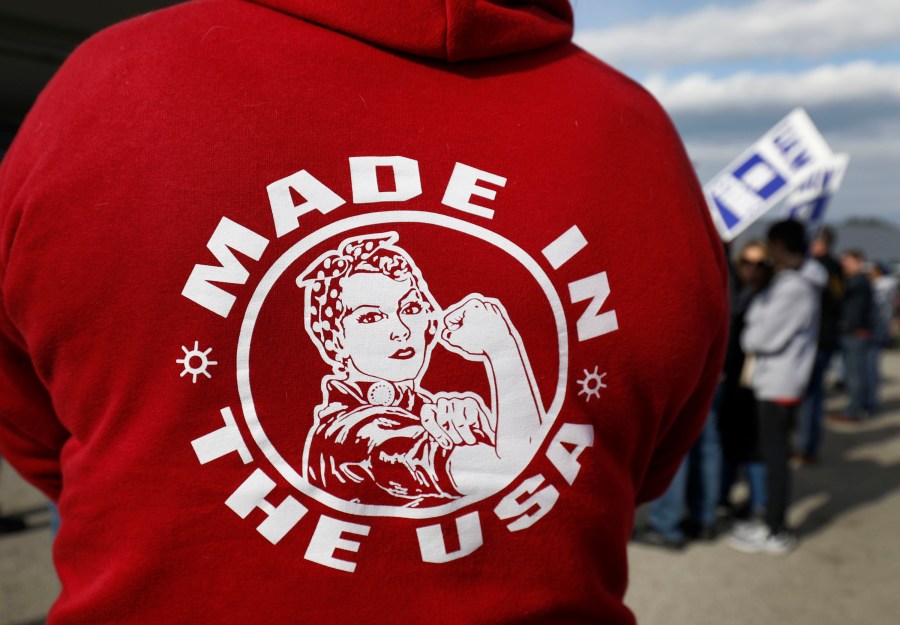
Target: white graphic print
(591, 383)
(196, 362)
(378, 437)
(489, 482)
(377, 433)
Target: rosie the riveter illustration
(378, 437)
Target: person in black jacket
(856, 335)
(738, 432)
(812, 410)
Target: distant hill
(879, 240)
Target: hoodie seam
(446, 30)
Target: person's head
(878, 270)
(853, 262)
(753, 264)
(823, 243)
(368, 309)
(787, 244)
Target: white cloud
(762, 29)
(871, 187)
(861, 82)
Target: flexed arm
(479, 329)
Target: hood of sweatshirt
(814, 272)
(452, 30)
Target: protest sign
(808, 202)
(766, 173)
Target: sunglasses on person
(757, 264)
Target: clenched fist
(477, 326)
(456, 421)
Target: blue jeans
(856, 364)
(705, 472)
(756, 478)
(703, 467)
(873, 376)
(755, 473)
(667, 512)
(813, 407)
(54, 519)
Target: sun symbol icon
(195, 362)
(592, 383)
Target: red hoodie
(350, 312)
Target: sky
(728, 70)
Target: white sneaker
(781, 543)
(755, 537)
(747, 529)
(748, 537)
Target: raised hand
(477, 326)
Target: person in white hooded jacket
(781, 331)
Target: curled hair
(321, 281)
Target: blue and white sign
(766, 173)
(808, 202)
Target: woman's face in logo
(384, 328)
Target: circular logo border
(340, 228)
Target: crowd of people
(797, 312)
